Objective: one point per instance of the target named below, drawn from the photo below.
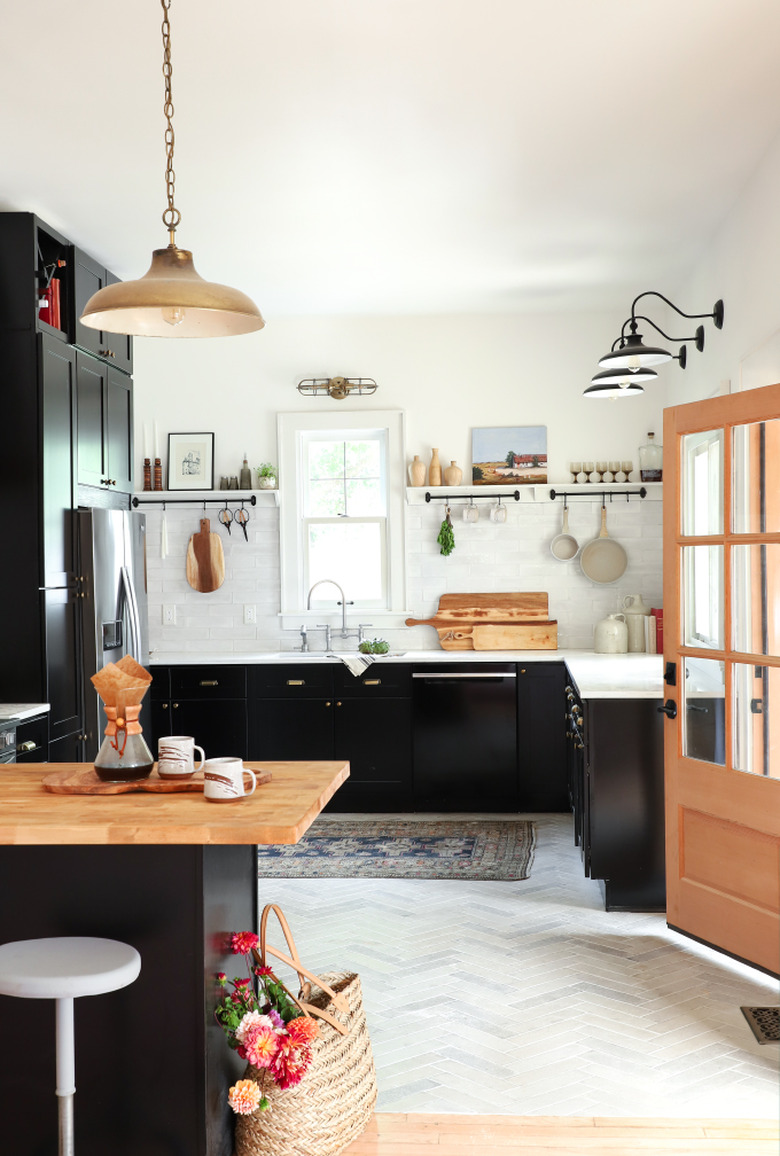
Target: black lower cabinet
(541, 737)
(465, 737)
(32, 740)
(207, 702)
(319, 711)
(622, 807)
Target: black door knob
(669, 708)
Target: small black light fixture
(614, 389)
(633, 354)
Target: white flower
(250, 1020)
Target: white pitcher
(635, 611)
(610, 635)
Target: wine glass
(588, 468)
(613, 469)
(627, 467)
(576, 468)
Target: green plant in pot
(376, 646)
(266, 476)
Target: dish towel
(355, 663)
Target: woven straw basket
(335, 1100)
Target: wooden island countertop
(278, 812)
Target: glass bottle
(124, 756)
(651, 460)
(246, 476)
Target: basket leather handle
(305, 977)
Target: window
(342, 508)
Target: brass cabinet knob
(328, 704)
(175, 706)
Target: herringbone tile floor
(528, 998)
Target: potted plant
(266, 476)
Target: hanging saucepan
(564, 546)
(603, 560)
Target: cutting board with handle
(205, 560)
(500, 636)
(84, 781)
(470, 609)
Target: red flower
(239, 983)
(302, 1030)
(263, 971)
(221, 978)
(242, 942)
(290, 1063)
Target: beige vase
(434, 469)
(453, 475)
(417, 472)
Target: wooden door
(722, 637)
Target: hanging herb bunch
(446, 538)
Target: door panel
(722, 620)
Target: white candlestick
(156, 441)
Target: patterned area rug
(405, 849)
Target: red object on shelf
(659, 630)
(45, 298)
(55, 303)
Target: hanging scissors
(226, 517)
(242, 518)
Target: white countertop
(18, 711)
(596, 675)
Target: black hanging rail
(591, 491)
(226, 501)
(429, 497)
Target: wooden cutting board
(86, 782)
(472, 609)
(500, 636)
(205, 560)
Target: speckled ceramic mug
(223, 780)
(176, 756)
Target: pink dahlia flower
(260, 1044)
(243, 941)
(252, 1020)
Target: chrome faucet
(343, 604)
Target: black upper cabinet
(104, 439)
(117, 348)
(36, 267)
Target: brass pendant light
(171, 299)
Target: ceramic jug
(417, 472)
(635, 611)
(611, 635)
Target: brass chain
(171, 217)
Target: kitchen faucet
(344, 604)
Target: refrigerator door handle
(132, 608)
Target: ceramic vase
(417, 472)
(434, 469)
(453, 474)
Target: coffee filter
(112, 682)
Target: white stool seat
(67, 967)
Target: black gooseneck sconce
(629, 361)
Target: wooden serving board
(471, 609)
(500, 636)
(205, 560)
(84, 781)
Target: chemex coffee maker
(124, 756)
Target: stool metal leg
(66, 1074)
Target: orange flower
(244, 1097)
(302, 1030)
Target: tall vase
(453, 475)
(434, 469)
(417, 472)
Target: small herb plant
(446, 538)
(266, 470)
(376, 646)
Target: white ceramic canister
(635, 611)
(611, 635)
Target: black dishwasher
(465, 737)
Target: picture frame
(190, 461)
(512, 455)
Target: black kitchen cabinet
(32, 256)
(104, 433)
(207, 702)
(117, 348)
(32, 739)
(321, 711)
(465, 737)
(541, 737)
(620, 800)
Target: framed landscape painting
(509, 455)
(191, 461)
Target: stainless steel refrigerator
(112, 557)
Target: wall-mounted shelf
(538, 492)
(198, 497)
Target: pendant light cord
(171, 217)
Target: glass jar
(651, 460)
(124, 756)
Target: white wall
(741, 265)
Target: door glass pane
(704, 721)
(351, 553)
(756, 698)
(702, 478)
(755, 598)
(703, 596)
(756, 478)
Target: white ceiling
(394, 156)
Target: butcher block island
(172, 875)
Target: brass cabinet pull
(209, 682)
(296, 682)
(28, 746)
(372, 682)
